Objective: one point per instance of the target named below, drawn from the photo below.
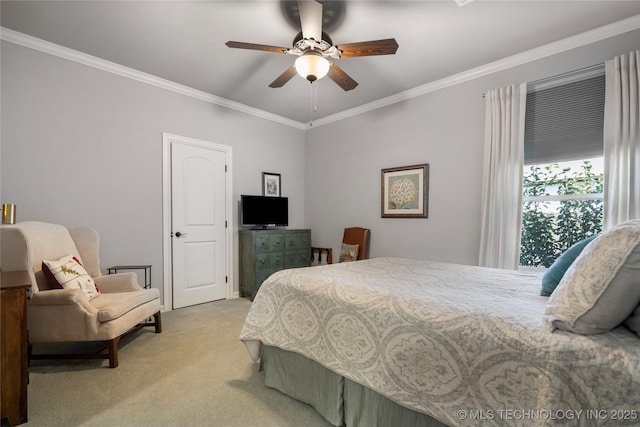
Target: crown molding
(601, 33)
(597, 34)
(130, 73)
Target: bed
(443, 343)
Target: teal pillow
(554, 274)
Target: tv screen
(261, 211)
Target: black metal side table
(146, 268)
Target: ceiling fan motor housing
(325, 43)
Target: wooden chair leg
(329, 252)
(158, 322)
(110, 351)
(112, 348)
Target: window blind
(565, 122)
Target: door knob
(179, 234)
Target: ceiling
(184, 42)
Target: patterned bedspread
(463, 344)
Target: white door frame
(167, 139)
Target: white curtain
(622, 139)
(501, 209)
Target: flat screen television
(264, 212)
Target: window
(563, 172)
(562, 205)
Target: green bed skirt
(339, 400)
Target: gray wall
(443, 128)
(84, 147)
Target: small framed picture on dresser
(271, 184)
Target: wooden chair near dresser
(355, 246)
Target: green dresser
(263, 252)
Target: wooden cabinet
(263, 252)
(14, 342)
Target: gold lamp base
(8, 213)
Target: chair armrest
(61, 315)
(121, 282)
(62, 297)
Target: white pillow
(68, 273)
(602, 287)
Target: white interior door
(198, 214)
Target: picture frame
(271, 184)
(405, 192)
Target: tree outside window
(562, 204)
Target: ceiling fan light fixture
(312, 66)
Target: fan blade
(311, 19)
(374, 47)
(341, 78)
(253, 46)
(284, 77)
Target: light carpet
(195, 373)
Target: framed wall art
(405, 192)
(270, 184)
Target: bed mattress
(459, 343)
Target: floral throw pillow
(349, 252)
(68, 273)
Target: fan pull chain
(315, 98)
(311, 104)
(313, 107)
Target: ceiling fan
(313, 47)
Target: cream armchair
(67, 315)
